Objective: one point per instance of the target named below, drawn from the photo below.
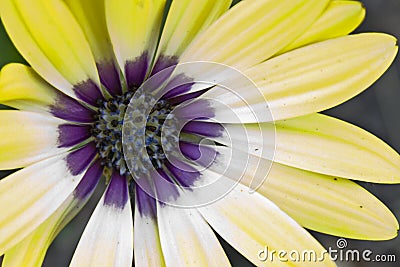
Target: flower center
(157, 133)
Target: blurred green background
(376, 110)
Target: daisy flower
(200, 118)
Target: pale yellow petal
(300, 82)
(321, 144)
(323, 203)
(134, 28)
(252, 31)
(323, 75)
(22, 88)
(327, 145)
(185, 20)
(27, 137)
(328, 204)
(31, 251)
(340, 18)
(90, 15)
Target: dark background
(376, 110)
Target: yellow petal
(340, 18)
(34, 193)
(50, 39)
(27, 137)
(252, 31)
(186, 19)
(323, 75)
(134, 28)
(323, 203)
(330, 146)
(22, 88)
(250, 223)
(328, 204)
(18, 81)
(181, 229)
(300, 82)
(321, 144)
(32, 250)
(90, 15)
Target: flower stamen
(107, 132)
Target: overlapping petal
(185, 20)
(339, 18)
(22, 88)
(327, 145)
(50, 39)
(347, 209)
(321, 144)
(250, 222)
(306, 80)
(252, 31)
(183, 228)
(90, 15)
(31, 251)
(34, 193)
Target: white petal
(108, 237)
(187, 240)
(31, 251)
(146, 237)
(28, 197)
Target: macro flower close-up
(198, 119)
